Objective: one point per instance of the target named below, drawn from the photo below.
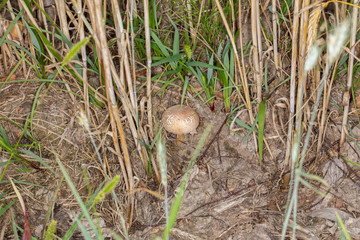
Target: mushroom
(180, 120)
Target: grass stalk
(347, 93)
(195, 32)
(61, 10)
(256, 41)
(275, 36)
(294, 54)
(148, 67)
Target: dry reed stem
(303, 47)
(131, 48)
(61, 10)
(255, 47)
(4, 50)
(294, 55)
(198, 23)
(78, 5)
(191, 25)
(148, 68)
(243, 79)
(44, 20)
(241, 69)
(105, 63)
(347, 93)
(120, 82)
(275, 36)
(324, 117)
(84, 61)
(19, 30)
(130, 114)
(122, 43)
(233, 19)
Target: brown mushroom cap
(180, 120)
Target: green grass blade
(77, 196)
(13, 223)
(184, 90)
(84, 232)
(158, 42)
(3, 135)
(24, 50)
(261, 119)
(177, 202)
(37, 158)
(16, 19)
(176, 44)
(204, 65)
(34, 39)
(3, 3)
(351, 162)
(210, 71)
(3, 210)
(71, 230)
(342, 228)
(170, 59)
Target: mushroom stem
(179, 139)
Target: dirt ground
(229, 196)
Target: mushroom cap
(180, 120)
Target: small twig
(213, 139)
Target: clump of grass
(334, 45)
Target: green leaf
(184, 89)
(210, 71)
(262, 113)
(170, 59)
(176, 44)
(3, 3)
(160, 44)
(34, 39)
(3, 136)
(204, 65)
